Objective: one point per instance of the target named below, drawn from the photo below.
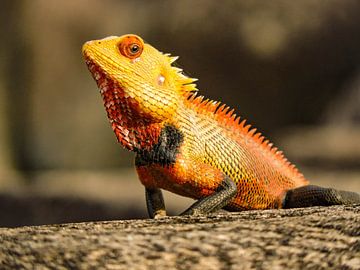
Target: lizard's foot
(160, 214)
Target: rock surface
(311, 238)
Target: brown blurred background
(292, 68)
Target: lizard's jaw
(133, 129)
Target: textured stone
(312, 238)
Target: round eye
(134, 48)
(131, 47)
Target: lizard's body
(208, 140)
(189, 146)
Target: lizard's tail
(311, 195)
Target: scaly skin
(190, 146)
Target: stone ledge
(317, 238)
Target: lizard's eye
(131, 47)
(134, 48)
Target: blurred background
(292, 68)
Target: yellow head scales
(143, 73)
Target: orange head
(139, 86)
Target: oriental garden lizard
(189, 145)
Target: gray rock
(311, 238)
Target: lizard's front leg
(155, 203)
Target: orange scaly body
(216, 142)
(183, 143)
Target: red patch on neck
(132, 128)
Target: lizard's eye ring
(131, 47)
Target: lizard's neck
(132, 129)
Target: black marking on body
(164, 151)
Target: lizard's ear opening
(131, 46)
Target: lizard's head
(142, 76)
(139, 85)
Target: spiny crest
(226, 117)
(186, 83)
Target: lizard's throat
(133, 129)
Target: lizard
(189, 145)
